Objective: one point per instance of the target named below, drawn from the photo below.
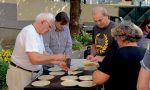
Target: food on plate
(86, 84)
(45, 77)
(73, 68)
(40, 83)
(55, 69)
(86, 77)
(71, 72)
(90, 68)
(69, 83)
(57, 73)
(89, 63)
(69, 78)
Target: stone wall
(9, 25)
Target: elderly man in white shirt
(29, 53)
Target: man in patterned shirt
(102, 39)
(58, 40)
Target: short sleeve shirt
(146, 60)
(28, 40)
(123, 66)
(103, 40)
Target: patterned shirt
(58, 41)
(103, 40)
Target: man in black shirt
(119, 69)
(102, 39)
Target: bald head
(100, 16)
(100, 10)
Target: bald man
(102, 39)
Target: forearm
(37, 58)
(143, 79)
(93, 50)
(100, 77)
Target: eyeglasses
(49, 25)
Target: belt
(11, 63)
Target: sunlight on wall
(8, 1)
(28, 9)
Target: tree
(75, 11)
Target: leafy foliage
(83, 38)
(5, 56)
(3, 72)
(76, 45)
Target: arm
(37, 58)
(143, 79)
(144, 74)
(104, 72)
(46, 40)
(93, 51)
(100, 77)
(68, 49)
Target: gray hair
(101, 10)
(127, 31)
(45, 16)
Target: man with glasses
(29, 53)
(102, 39)
(58, 40)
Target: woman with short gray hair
(127, 31)
(119, 69)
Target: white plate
(69, 83)
(73, 68)
(90, 68)
(57, 73)
(86, 77)
(86, 84)
(89, 63)
(70, 72)
(40, 83)
(55, 69)
(45, 77)
(69, 78)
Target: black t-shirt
(123, 66)
(103, 40)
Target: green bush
(3, 72)
(76, 45)
(81, 40)
(5, 56)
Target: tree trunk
(75, 11)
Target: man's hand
(90, 57)
(98, 59)
(63, 65)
